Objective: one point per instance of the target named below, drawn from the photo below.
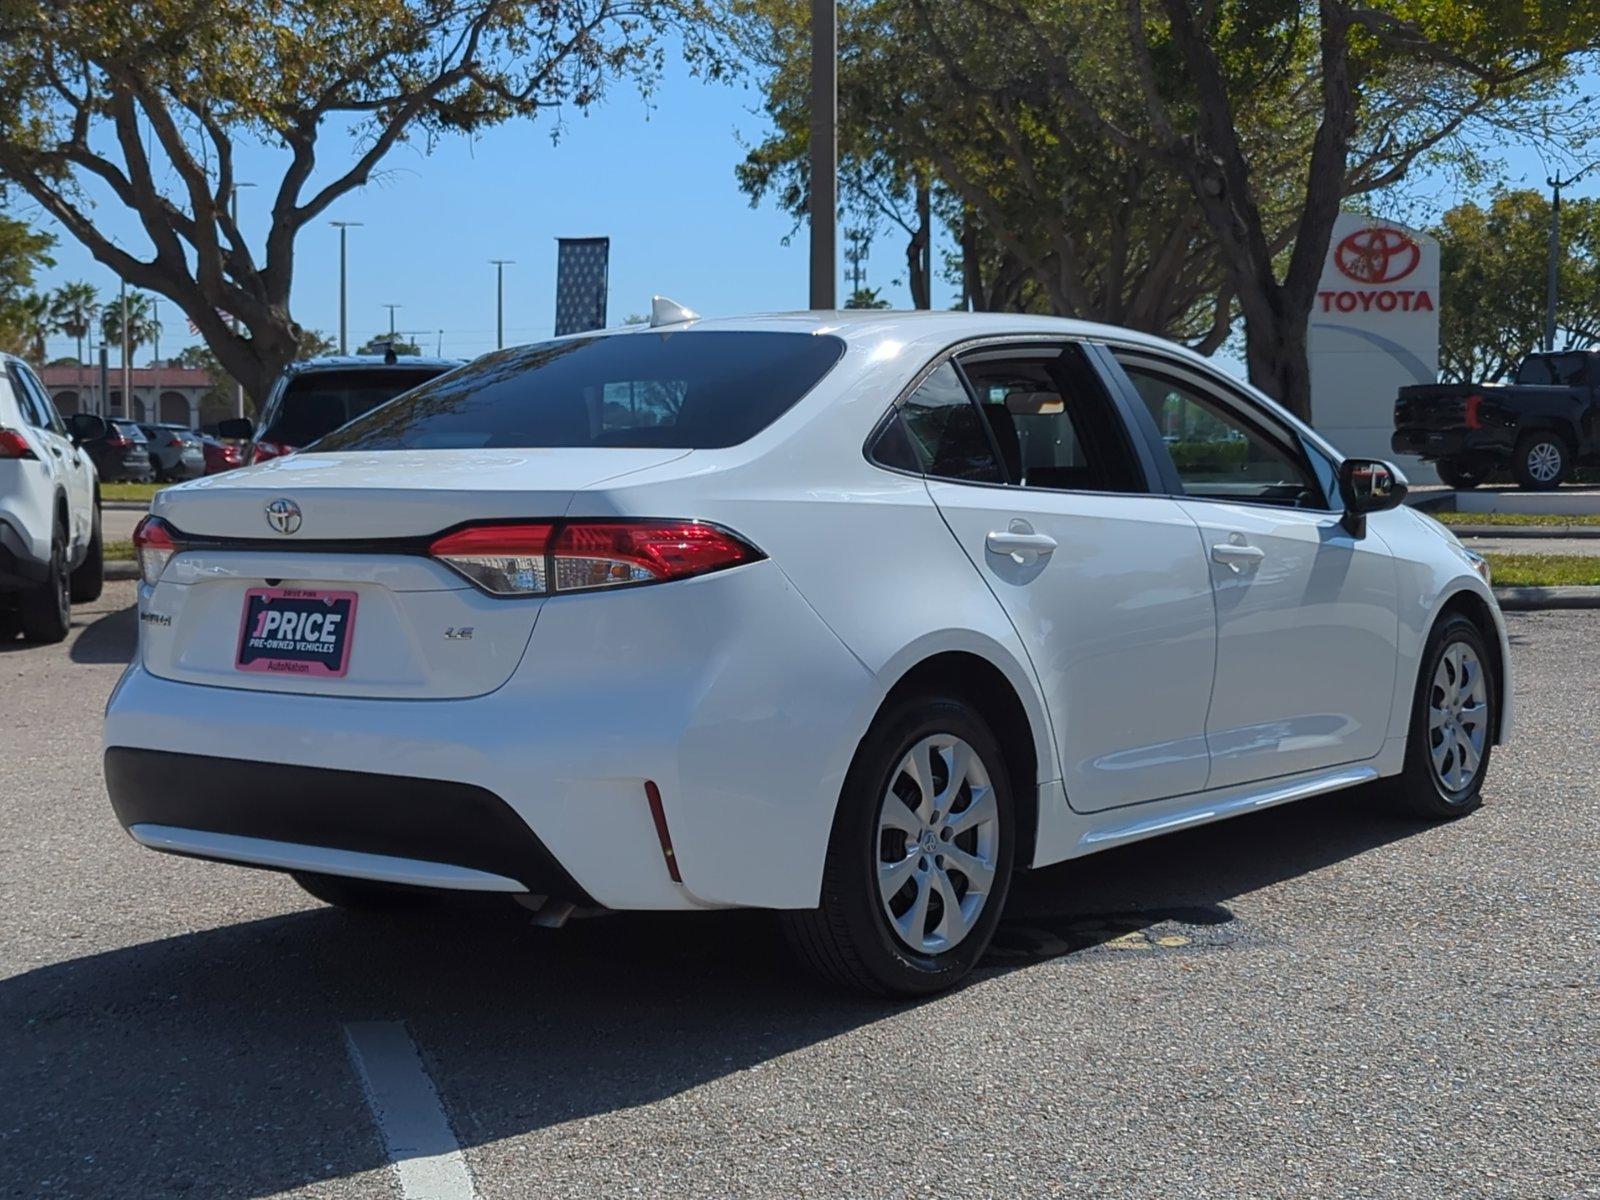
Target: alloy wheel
(938, 844)
(1544, 461)
(1458, 716)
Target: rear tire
(364, 895)
(919, 861)
(1453, 716)
(45, 610)
(1459, 474)
(89, 580)
(1541, 461)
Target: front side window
(938, 432)
(1219, 454)
(690, 390)
(1053, 423)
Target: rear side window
(316, 403)
(1567, 370)
(1054, 424)
(938, 432)
(691, 390)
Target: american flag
(581, 266)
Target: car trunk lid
(353, 530)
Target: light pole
(1552, 285)
(391, 308)
(233, 207)
(344, 290)
(500, 265)
(824, 203)
(127, 367)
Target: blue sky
(658, 180)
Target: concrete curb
(130, 570)
(126, 505)
(1531, 599)
(1549, 532)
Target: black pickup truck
(1540, 425)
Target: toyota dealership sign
(1374, 329)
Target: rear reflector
(154, 544)
(14, 445)
(652, 795)
(530, 559)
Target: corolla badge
(284, 515)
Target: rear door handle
(1024, 547)
(1236, 557)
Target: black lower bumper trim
(428, 819)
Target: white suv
(50, 553)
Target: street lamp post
(500, 265)
(1553, 278)
(824, 204)
(344, 290)
(391, 308)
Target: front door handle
(1024, 547)
(1237, 557)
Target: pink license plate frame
(286, 631)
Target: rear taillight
(178, 442)
(504, 560)
(14, 445)
(153, 545)
(117, 442)
(263, 451)
(1474, 418)
(534, 558)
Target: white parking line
(405, 1105)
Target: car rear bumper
(744, 714)
(376, 826)
(18, 566)
(1486, 444)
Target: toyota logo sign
(1377, 255)
(284, 516)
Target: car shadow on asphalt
(214, 1062)
(111, 638)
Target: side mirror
(86, 427)
(240, 428)
(1369, 485)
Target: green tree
(865, 297)
(147, 103)
(73, 309)
(143, 327)
(1253, 102)
(1493, 262)
(378, 343)
(23, 251)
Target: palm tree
(72, 310)
(33, 310)
(142, 324)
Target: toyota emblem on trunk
(284, 516)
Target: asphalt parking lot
(1314, 1001)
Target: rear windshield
(686, 390)
(318, 402)
(129, 430)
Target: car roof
(871, 325)
(376, 362)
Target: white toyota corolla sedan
(847, 615)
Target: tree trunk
(971, 264)
(1277, 356)
(919, 251)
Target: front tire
(1542, 461)
(919, 861)
(363, 895)
(45, 609)
(1453, 718)
(89, 580)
